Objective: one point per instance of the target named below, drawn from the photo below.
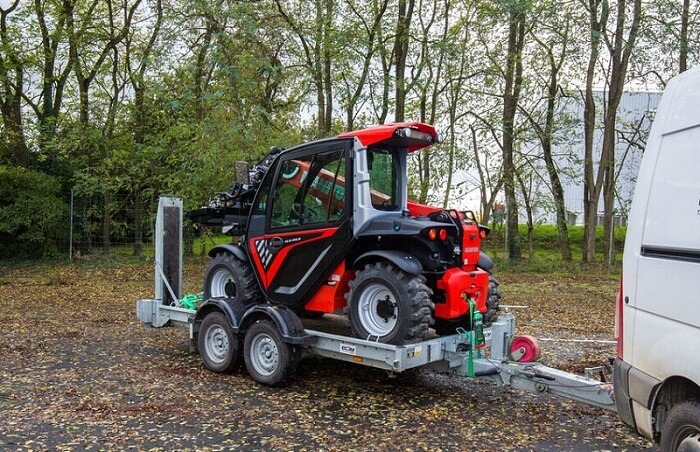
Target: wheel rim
(216, 344)
(378, 310)
(222, 284)
(689, 440)
(264, 354)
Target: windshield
(383, 173)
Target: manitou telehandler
(327, 226)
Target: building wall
(635, 114)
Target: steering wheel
(305, 214)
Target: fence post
(70, 234)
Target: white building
(635, 114)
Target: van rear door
(667, 295)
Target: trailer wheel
(681, 431)
(228, 277)
(493, 301)
(268, 358)
(389, 305)
(217, 344)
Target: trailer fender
(287, 322)
(235, 250)
(233, 310)
(404, 261)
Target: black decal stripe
(675, 254)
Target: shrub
(33, 217)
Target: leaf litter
(78, 371)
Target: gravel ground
(78, 371)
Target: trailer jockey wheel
(524, 349)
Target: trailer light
(443, 234)
(432, 234)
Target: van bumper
(634, 396)
(621, 388)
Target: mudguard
(285, 319)
(485, 262)
(404, 261)
(233, 310)
(230, 248)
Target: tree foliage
(141, 98)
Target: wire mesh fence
(108, 223)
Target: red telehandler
(327, 227)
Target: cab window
(309, 190)
(383, 170)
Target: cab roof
(411, 135)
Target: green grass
(546, 257)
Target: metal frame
(154, 311)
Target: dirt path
(77, 371)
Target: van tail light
(619, 319)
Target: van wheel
(681, 431)
(389, 305)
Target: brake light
(484, 231)
(443, 234)
(619, 319)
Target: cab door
(300, 227)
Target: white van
(657, 372)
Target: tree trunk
(13, 130)
(138, 221)
(557, 189)
(683, 57)
(106, 221)
(513, 83)
(11, 89)
(528, 211)
(591, 187)
(620, 52)
(403, 26)
(327, 67)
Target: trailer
(271, 339)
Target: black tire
(228, 277)
(218, 346)
(682, 427)
(268, 358)
(389, 305)
(493, 302)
